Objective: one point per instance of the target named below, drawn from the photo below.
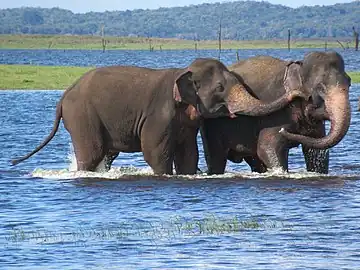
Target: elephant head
(219, 92)
(325, 80)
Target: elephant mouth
(316, 110)
(219, 110)
(316, 113)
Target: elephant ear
(292, 76)
(184, 89)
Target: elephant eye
(196, 85)
(220, 87)
(320, 88)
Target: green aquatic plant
(169, 229)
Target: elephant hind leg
(272, 150)
(256, 164)
(89, 154)
(88, 141)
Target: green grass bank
(64, 42)
(55, 77)
(38, 77)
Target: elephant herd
(254, 110)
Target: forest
(240, 20)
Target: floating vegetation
(175, 227)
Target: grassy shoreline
(39, 77)
(65, 42)
(22, 77)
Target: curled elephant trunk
(241, 102)
(339, 111)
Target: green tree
(32, 17)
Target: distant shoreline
(68, 42)
(28, 77)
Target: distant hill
(240, 20)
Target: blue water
(55, 218)
(166, 58)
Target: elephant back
(262, 76)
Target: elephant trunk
(338, 108)
(240, 101)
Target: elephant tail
(48, 138)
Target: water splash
(133, 172)
(73, 163)
(72, 158)
(113, 173)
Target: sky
(82, 6)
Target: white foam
(146, 172)
(113, 173)
(72, 159)
(100, 171)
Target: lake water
(169, 58)
(54, 218)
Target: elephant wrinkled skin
(154, 111)
(264, 142)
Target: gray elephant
(154, 111)
(264, 142)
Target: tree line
(240, 20)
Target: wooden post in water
(195, 43)
(289, 38)
(356, 39)
(342, 46)
(151, 48)
(237, 56)
(219, 39)
(325, 45)
(103, 41)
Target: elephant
(264, 142)
(154, 111)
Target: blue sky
(102, 5)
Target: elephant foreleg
(317, 160)
(187, 154)
(109, 159)
(216, 159)
(215, 154)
